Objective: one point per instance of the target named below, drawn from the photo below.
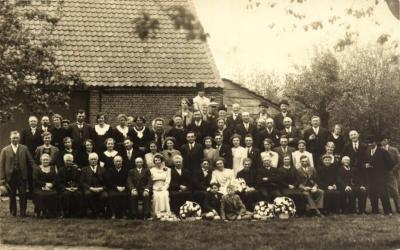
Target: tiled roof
(99, 42)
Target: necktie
(248, 152)
(129, 155)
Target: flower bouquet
(263, 211)
(240, 184)
(212, 215)
(284, 207)
(166, 216)
(190, 211)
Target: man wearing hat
(278, 119)
(200, 100)
(263, 113)
(378, 164)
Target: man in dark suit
(117, 190)
(129, 154)
(178, 131)
(223, 130)
(268, 181)
(253, 153)
(200, 127)
(235, 118)
(32, 138)
(139, 186)
(15, 159)
(378, 165)
(315, 138)
(284, 150)
(263, 113)
(292, 133)
(269, 132)
(192, 152)
(93, 182)
(80, 131)
(394, 174)
(180, 185)
(200, 182)
(246, 127)
(225, 151)
(278, 119)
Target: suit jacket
(177, 180)
(394, 155)
(192, 158)
(116, 178)
(327, 176)
(274, 178)
(231, 123)
(30, 140)
(7, 162)
(294, 134)
(317, 145)
(355, 156)
(80, 135)
(248, 176)
(201, 182)
(351, 178)
(278, 120)
(288, 177)
(139, 181)
(226, 152)
(274, 136)
(129, 163)
(255, 156)
(200, 131)
(381, 164)
(179, 135)
(253, 131)
(282, 154)
(91, 179)
(307, 178)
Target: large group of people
(78, 169)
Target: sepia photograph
(199, 124)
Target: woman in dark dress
(45, 182)
(107, 157)
(141, 135)
(83, 156)
(102, 131)
(121, 132)
(67, 149)
(337, 138)
(58, 132)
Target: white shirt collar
(316, 130)
(14, 148)
(94, 169)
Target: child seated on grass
(232, 207)
(212, 202)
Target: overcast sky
(249, 40)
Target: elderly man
(284, 149)
(70, 188)
(15, 159)
(93, 181)
(315, 138)
(246, 127)
(139, 186)
(180, 185)
(234, 118)
(269, 132)
(278, 119)
(292, 133)
(117, 189)
(268, 180)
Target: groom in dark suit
(192, 153)
(15, 159)
(315, 138)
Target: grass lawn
(334, 232)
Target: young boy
(232, 207)
(212, 202)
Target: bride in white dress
(239, 153)
(161, 177)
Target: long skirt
(160, 202)
(46, 202)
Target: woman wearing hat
(161, 178)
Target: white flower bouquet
(263, 211)
(284, 207)
(240, 184)
(166, 216)
(190, 211)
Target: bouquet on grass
(284, 207)
(190, 211)
(212, 215)
(264, 211)
(166, 216)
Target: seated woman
(222, 175)
(296, 155)
(47, 148)
(210, 153)
(268, 144)
(161, 178)
(108, 156)
(45, 195)
(212, 203)
(327, 179)
(232, 207)
(169, 151)
(117, 190)
(249, 195)
(149, 157)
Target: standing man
(378, 165)
(292, 133)
(235, 118)
(45, 122)
(192, 153)
(394, 174)
(263, 113)
(224, 150)
(15, 159)
(246, 127)
(200, 127)
(80, 131)
(315, 138)
(284, 150)
(200, 100)
(159, 132)
(269, 132)
(178, 131)
(278, 119)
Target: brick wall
(152, 103)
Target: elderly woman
(238, 153)
(118, 193)
(296, 155)
(141, 135)
(102, 131)
(274, 156)
(121, 131)
(210, 153)
(169, 151)
(330, 151)
(108, 156)
(149, 157)
(161, 178)
(222, 175)
(46, 148)
(45, 195)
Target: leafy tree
(30, 79)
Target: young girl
(232, 207)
